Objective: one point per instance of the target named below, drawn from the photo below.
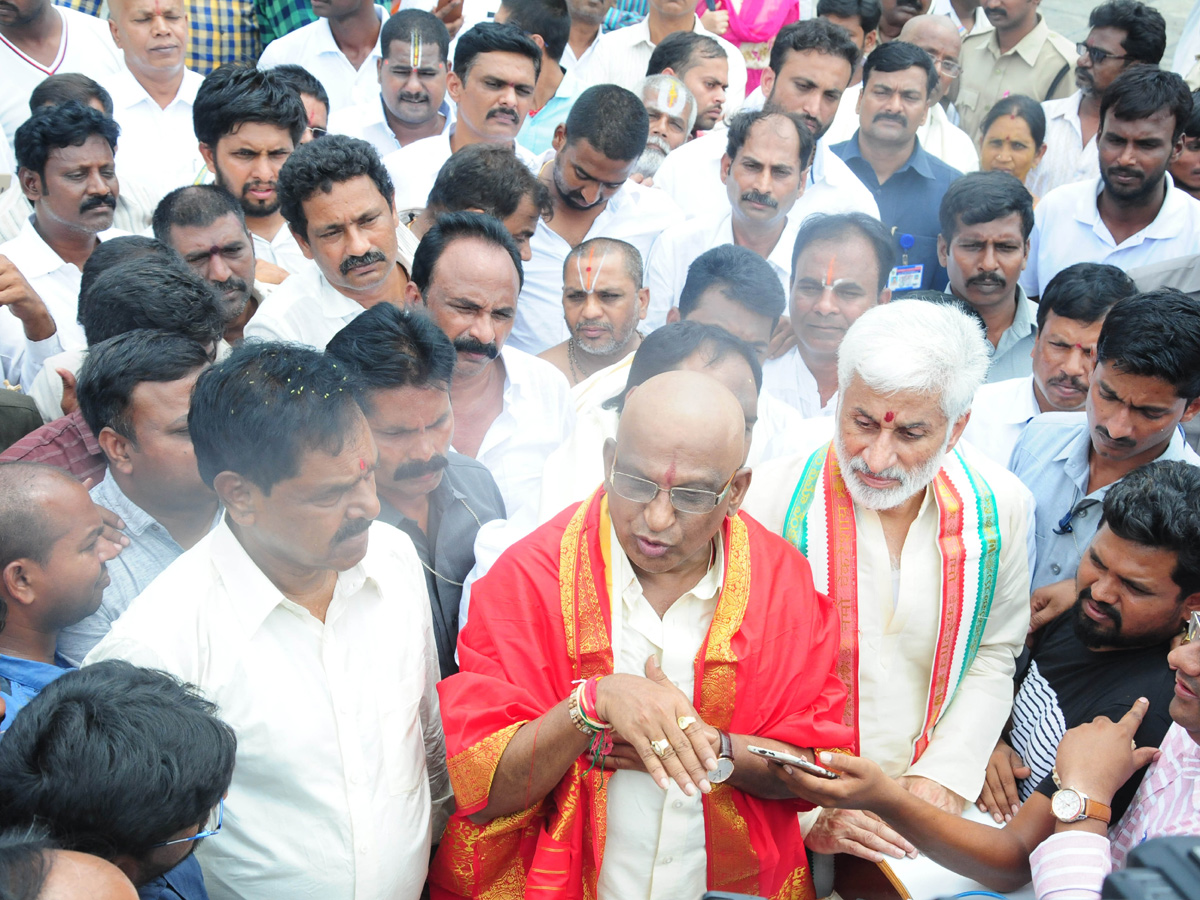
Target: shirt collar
(130, 92)
(918, 160)
(1165, 224)
(31, 673)
(334, 304)
(1029, 48)
(326, 43)
(109, 495)
(1025, 319)
(37, 257)
(624, 577)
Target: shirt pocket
(402, 736)
(967, 98)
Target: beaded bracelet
(581, 706)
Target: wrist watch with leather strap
(1070, 805)
(724, 760)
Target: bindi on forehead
(889, 416)
(362, 464)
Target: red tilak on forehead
(362, 465)
(888, 416)
(670, 474)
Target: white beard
(889, 498)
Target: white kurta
(897, 637)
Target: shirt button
(363, 849)
(667, 860)
(678, 804)
(1082, 514)
(1055, 568)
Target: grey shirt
(465, 498)
(151, 549)
(1052, 459)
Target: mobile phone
(798, 761)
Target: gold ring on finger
(685, 722)
(661, 748)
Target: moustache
(760, 197)
(1121, 170)
(1107, 608)
(658, 142)
(367, 259)
(988, 278)
(257, 186)
(351, 529)
(418, 468)
(97, 201)
(502, 111)
(909, 4)
(1119, 442)
(900, 120)
(467, 344)
(1071, 381)
(413, 98)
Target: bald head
(25, 529)
(938, 37)
(686, 412)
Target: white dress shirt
(1067, 159)
(536, 416)
(622, 57)
(634, 214)
(692, 176)
(414, 168)
(86, 47)
(654, 844)
(340, 783)
(999, 414)
(56, 281)
(281, 250)
(1068, 229)
(306, 309)
(368, 122)
(157, 147)
(678, 246)
(313, 47)
(937, 134)
(897, 632)
(570, 61)
(789, 380)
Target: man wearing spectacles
(1020, 55)
(938, 36)
(1139, 586)
(1123, 33)
(132, 765)
(580, 657)
(878, 513)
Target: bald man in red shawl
(616, 665)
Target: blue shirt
(537, 131)
(22, 679)
(184, 882)
(908, 204)
(1051, 457)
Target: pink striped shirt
(1073, 865)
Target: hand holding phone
(778, 756)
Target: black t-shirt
(1067, 684)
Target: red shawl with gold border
(542, 619)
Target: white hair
(915, 345)
(654, 85)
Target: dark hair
(118, 250)
(388, 347)
(237, 93)
(1144, 27)
(1023, 108)
(665, 349)
(488, 177)
(265, 405)
(1141, 91)
(151, 293)
(54, 127)
(318, 166)
(611, 119)
(1158, 505)
(302, 81)
(1155, 334)
(458, 226)
(1084, 292)
(896, 56)
(113, 758)
(25, 861)
(428, 28)
(55, 90)
(549, 19)
(113, 368)
(832, 227)
(740, 125)
(817, 34)
(681, 51)
(869, 12)
(1192, 127)
(494, 37)
(979, 197)
(195, 206)
(741, 275)
(632, 256)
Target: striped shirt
(1072, 865)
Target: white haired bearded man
(922, 544)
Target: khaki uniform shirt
(1030, 68)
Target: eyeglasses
(318, 132)
(686, 500)
(1193, 628)
(213, 828)
(1097, 54)
(948, 67)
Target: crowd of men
(476, 449)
